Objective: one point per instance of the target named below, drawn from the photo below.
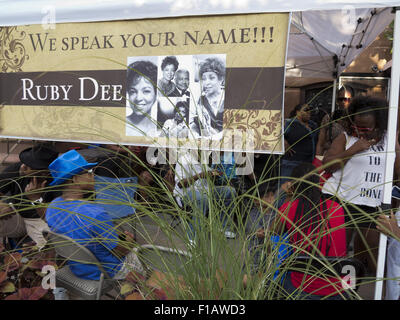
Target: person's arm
(124, 246)
(184, 183)
(34, 192)
(6, 211)
(169, 179)
(288, 136)
(338, 151)
(288, 149)
(321, 142)
(388, 225)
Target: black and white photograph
(176, 96)
(182, 81)
(171, 107)
(177, 126)
(208, 111)
(168, 67)
(141, 88)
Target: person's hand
(215, 173)
(34, 189)
(169, 178)
(290, 152)
(6, 212)
(287, 187)
(362, 145)
(388, 225)
(129, 236)
(126, 239)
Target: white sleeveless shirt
(361, 180)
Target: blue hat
(68, 165)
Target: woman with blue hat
(73, 215)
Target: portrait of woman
(142, 98)
(208, 117)
(169, 65)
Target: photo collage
(178, 96)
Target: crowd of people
(318, 212)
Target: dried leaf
(134, 296)
(7, 287)
(135, 277)
(127, 288)
(3, 276)
(160, 294)
(39, 264)
(34, 293)
(13, 261)
(157, 280)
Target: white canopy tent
(346, 33)
(325, 37)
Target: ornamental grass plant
(213, 267)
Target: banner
(161, 82)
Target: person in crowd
(261, 215)
(208, 116)
(311, 223)
(192, 190)
(118, 161)
(169, 65)
(345, 94)
(357, 160)
(182, 84)
(142, 96)
(25, 185)
(300, 140)
(177, 126)
(73, 215)
(333, 125)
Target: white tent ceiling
(323, 43)
(321, 31)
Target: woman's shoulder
(289, 205)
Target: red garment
(315, 285)
(324, 175)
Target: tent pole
(390, 155)
(334, 96)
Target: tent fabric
(316, 54)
